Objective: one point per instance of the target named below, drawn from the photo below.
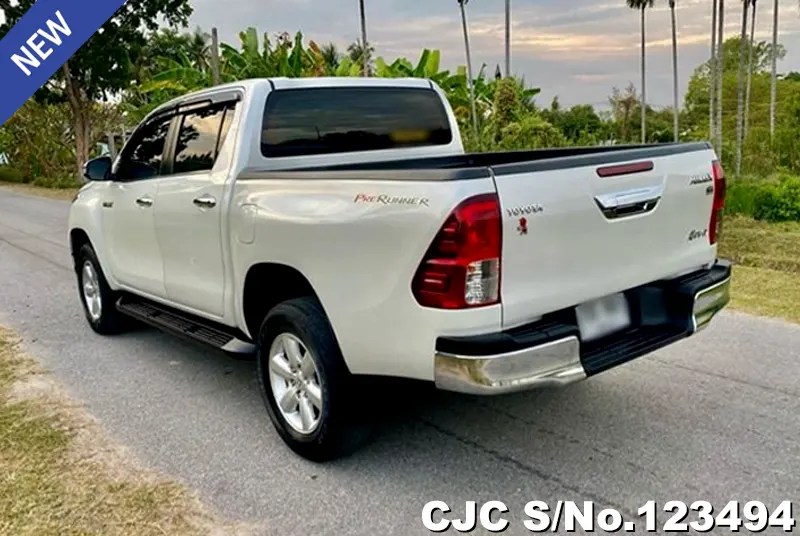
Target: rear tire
(97, 298)
(305, 383)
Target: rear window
(340, 120)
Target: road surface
(713, 418)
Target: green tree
(103, 66)
(331, 57)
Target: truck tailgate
(588, 229)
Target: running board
(180, 323)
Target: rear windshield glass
(339, 120)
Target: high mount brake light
(718, 204)
(461, 268)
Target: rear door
(188, 213)
(581, 228)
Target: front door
(128, 212)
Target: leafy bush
(63, 181)
(9, 174)
(779, 201)
(741, 195)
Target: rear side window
(200, 135)
(339, 120)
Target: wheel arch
(77, 239)
(266, 285)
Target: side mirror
(97, 169)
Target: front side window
(336, 120)
(143, 156)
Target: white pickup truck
(336, 229)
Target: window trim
(269, 105)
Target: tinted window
(143, 155)
(196, 146)
(338, 120)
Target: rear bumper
(550, 353)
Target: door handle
(630, 202)
(144, 202)
(205, 201)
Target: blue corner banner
(42, 41)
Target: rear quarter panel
(360, 252)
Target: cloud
(576, 49)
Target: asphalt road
(714, 418)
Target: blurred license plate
(603, 316)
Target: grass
(60, 474)
(766, 274)
(50, 193)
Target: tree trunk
(364, 44)
(674, 72)
(720, 73)
(214, 60)
(740, 89)
(749, 73)
(644, 82)
(80, 119)
(712, 74)
(774, 81)
(469, 69)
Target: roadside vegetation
(59, 474)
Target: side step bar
(180, 323)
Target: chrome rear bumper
(468, 364)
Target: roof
(292, 83)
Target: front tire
(97, 298)
(305, 383)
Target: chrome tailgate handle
(629, 202)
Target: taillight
(461, 268)
(714, 226)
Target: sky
(576, 49)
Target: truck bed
(579, 224)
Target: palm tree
(720, 71)
(462, 5)
(749, 71)
(740, 88)
(361, 54)
(674, 71)
(365, 44)
(508, 37)
(712, 72)
(330, 56)
(774, 81)
(642, 5)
